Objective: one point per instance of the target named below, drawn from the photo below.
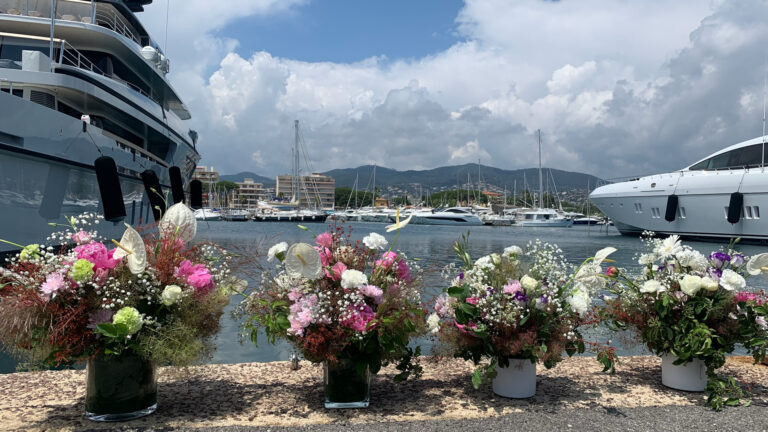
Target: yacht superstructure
(87, 83)
(724, 195)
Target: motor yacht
(449, 216)
(722, 196)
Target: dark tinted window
(720, 161)
(700, 166)
(11, 48)
(751, 156)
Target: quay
(575, 395)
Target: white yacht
(724, 195)
(207, 214)
(542, 217)
(81, 81)
(449, 216)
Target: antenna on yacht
(765, 84)
(167, 14)
(53, 27)
(541, 183)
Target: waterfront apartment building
(317, 190)
(248, 194)
(209, 177)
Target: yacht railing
(70, 56)
(88, 12)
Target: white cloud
(680, 80)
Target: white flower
(433, 323)
(178, 221)
(732, 281)
(397, 225)
(691, 284)
(495, 259)
(375, 241)
(131, 247)
(760, 320)
(652, 286)
(513, 250)
(171, 295)
(646, 259)
(484, 263)
(669, 247)
(602, 254)
(709, 284)
(590, 276)
(351, 279)
(529, 283)
(757, 263)
(275, 250)
(580, 302)
(302, 260)
(692, 259)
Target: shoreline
(271, 395)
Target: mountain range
(447, 177)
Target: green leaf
(477, 378)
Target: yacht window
(720, 161)
(11, 48)
(682, 212)
(751, 156)
(726, 212)
(749, 212)
(757, 212)
(68, 110)
(700, 166)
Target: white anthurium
(179, 221)
(758, 264)
(398, 224)
(131, 247)
(302, 260)
(602, 254)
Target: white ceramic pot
(691, 376)
(517, 381)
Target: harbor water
(433, 247)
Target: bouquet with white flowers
(521, 304)
(691, 308)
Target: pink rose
(387, 259)
(359, 317)
(335, 272)
(373, 292)
(196, 275)
(325, 240)
(97, 254)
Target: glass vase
(345, 385)
(120, 387)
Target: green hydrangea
(29, 252)
(82, 271)
(130, 317)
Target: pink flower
(444, 306)
(196, 275)
(403, 272)
(100, 276)
(81, 237)
(335, 272)
(97, 254)
(359, 317)
(472, 300)
(325, 240)
(179, 245)
(373, 292)
(325, 255)
(612, 272)
(387, 259)
(743, 297)
(54, 283)
(294, 295)
(465, 328)
(513, 287)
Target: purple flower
(719, 258)
(737, 260)
(521, 297)
(715, 273)
(461, 276)
(544, 299)
(99, 317)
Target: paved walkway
(575, 395)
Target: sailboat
(540, 216)
(297, 183)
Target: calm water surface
(433, 245)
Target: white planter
(691, 376)
(517, 381)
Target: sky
(618, 88)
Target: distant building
(317, 190)
(208, 177)
(247, 195)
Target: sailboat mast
(541, 183)
(296, 173)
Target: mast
(296, 178)
(541, 183)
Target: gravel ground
(575, 395)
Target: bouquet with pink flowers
(157, 297)
(340, 300)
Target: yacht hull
(703, 200)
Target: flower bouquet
(121, 309)
(353, 306)
(515, 309)
(692, 310)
